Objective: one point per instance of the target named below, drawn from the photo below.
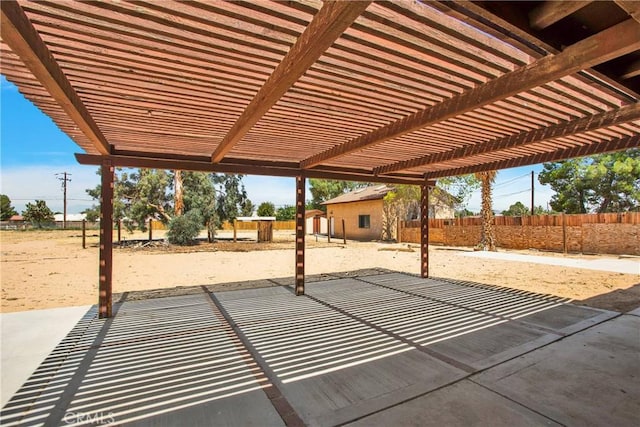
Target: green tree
(184, 229)
(92, 214)
(565, 179)
(464, 212)
(6, 210)
(540, 210)
(231, 196)
(603, 183)
(517, 209)
(326, 189)
(403, 202)
(143, 193)
(459, 187)
(199, 197)
(38, 214)
(266, 209)
(248, 208)
(286, 213)
(138, 194)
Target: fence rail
(571, 220)
(253, 225)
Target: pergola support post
(106, 241)
(424, 230)
(300, 223)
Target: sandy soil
(46, 269)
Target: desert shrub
(183, 230)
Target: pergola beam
(23, 39)
(277, 169)
(548, 13)
(327, 25)
(585, 124)
(604, 46)
(615, 144)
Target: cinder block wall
(619, 239)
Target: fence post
(84, 234)
(329, 230)
(150, 229)
(235, 230)
(564, 234)
(399, 230)
(119, 230)
(344, 233)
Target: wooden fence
(610, 233)
(253, 225)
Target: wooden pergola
(396, 92)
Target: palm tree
(488, 236)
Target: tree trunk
(487, 239)
(179, 194)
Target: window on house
(364, 221)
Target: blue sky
(33, 150)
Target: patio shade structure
(397, 92)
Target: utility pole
(532, 189)
(64, 177)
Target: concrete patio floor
(368, 348)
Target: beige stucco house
(362, 213)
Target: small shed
(316, 222)
(265, 226)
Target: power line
(50, 199)
(513, 194)
(511, 180)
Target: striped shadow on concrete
(354, 346)
(170, 360)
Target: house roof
(70, 217)
(396, 91)
(314, 212)
(372, 192)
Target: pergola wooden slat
(397, 91)
(611, 43)
(327, 25)
(24, 40)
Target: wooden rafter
(585, 124)
(632, 70)
(327, 25)
(549, 12)
(606, 45)
(277, 169)
(477, 15)
(23, 39)
(631, 7)
(615, 144)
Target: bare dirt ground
(47, 269)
